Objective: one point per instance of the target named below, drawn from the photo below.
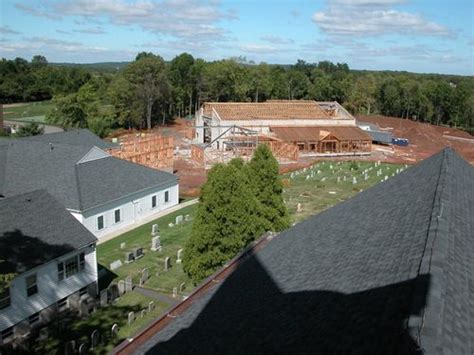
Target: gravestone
(156, 243)
(138, 252)
(114, 265)
(182, 287)
(187, 218)
(122, 245)
(131, 317)
(167, 263)
(366, 177)
(70, 347)
(154, 230)
(43, 334)
(299, 208)
(143, 313)
(145, 275)
(354, 180)
(171, 225)
(121, 287)
(179, 219)
(82, 348)
(104, 298)
(151, 306)
(128, 284)
(330, 166)
(344, 178)
(338, 179)
(386, 178)
(94, 339)
(114, 292)
(129, 257)
(175, 292)
(178, 256)
(323, 179)
(114, 330)
(307, 177)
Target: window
(7, 333)
(31, 286)
(117, 215)
(82, 262)
(71, 266)
(167, 196)
(153, 201)
(34, 318)
(100, 223)
(61, 271)
(5, 299)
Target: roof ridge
(424, 266)
(79, 199)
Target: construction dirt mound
(424, 139)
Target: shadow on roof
(250, 314)
(19, 252)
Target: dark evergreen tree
(226, 221)
(264, 176)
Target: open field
(29, 111)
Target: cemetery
(325, 184)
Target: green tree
(148, 78)
(226, 221)
(263, 172)
(68, 111)
(29, 129)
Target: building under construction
(290, 128)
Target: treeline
(150, 91)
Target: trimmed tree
(262, 171)
(226, 221)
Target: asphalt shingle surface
(35, 228)
(379, 273)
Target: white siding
(133, 208)
(50, 289)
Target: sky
(425, 36)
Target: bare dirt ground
(425, 140)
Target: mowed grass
(319, 191)
(172, 239)
(31, 111)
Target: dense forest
(150, 91)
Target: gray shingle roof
(388, 271)
(35, 228)
(73, 136)
(27, 165)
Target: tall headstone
(145, 275)
(175, 292)
(143, 313)
(70, 347)
(167, 263)
(178, 256)
(114, 291)
(182, 287)
(354, 180)
(121, 287)
(82, 348)
(122, 245)
(114, 330)
(138, 252)
(129, 257)
(299, 207)
(94, 339)
(156, 243)
(131, 317)
(104, 298)
(179, 219)
(151, 306)
(128, 284)
(154, 230)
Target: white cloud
(276, 39)
(91, 30)
(189, 19)
(34, 11)
(373, 17)
(6, 30)
(258, 48)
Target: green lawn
(321, 191)
(172, 239)
(31, 111)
